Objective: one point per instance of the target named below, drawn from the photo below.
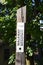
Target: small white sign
(41, 21)
(20, 37)
(41, 25)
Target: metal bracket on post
(21, 20)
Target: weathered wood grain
(21, 14)
(21, 17)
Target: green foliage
(11, 59)
(8, 24)
(29, 51)
(33, 25)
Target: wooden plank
(21, 14)
(24, 13)
(21, 20)
(20, 59)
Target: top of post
(21, 14)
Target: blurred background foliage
(34, 36)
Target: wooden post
(20, 36)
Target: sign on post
(20, 36)
(21, 20)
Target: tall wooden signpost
(20, 36)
